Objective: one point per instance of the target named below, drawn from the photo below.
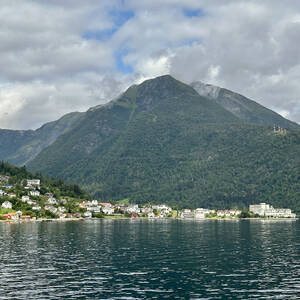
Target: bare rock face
(206, 90)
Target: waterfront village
(32, 204)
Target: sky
(59, 56)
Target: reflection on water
(136, 259)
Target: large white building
(267, 210)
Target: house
(36, 208)
(220, 213)
(2, 193)
(34, 193)
(83, 205)
(7, 205)
(33, 183)
(8, 186)
(108, 210)
(227, 213)
(162, 208)
(95, 209)
(146, 210)
(201, 213)
(87, 214)
(25, 198)
(94, 202)
(77, 215)
(53, 209)
(133, 209)
(12, 195)
(234, 212)
(26, 217)
(187, 214)
(52, 201)
(105, 204)
(31, 202)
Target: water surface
(150, 259)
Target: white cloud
(48, 68)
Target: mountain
(161, 141)
(245, 109)
(21, 146)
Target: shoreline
(141, 218)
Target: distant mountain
(21, 146)
(245, 109)
(161, 141)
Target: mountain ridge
(161, 141)
(21, 146)
(244, 108)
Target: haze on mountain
(166, 141)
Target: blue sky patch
(118, 17)
(100, 35)
(121, 66)
(193, 13)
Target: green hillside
(14, 187)
(161, 141)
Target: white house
(220, 213)
(33, 182)
(133, 209)
(36, 207)
(31, 202)
(2, 193)
(187, 213)
(7, 205)
(234, 212)
(25, 198)
(52, 201)
(34, 193)
(108, 210)
(94, 203)
(51, 208)
(95, 209)
(162, 208)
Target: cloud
(61, 56)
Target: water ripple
(139, 259)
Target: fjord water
(150, 259)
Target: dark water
(125, 259)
